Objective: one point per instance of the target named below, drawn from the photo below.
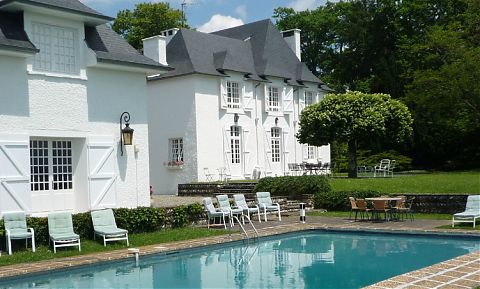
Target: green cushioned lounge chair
(224, 205)
(242, 203)
(213, 213)
(266, 205)
(105, 226)
(16, 229)
(471, 213)
(60, 229)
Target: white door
(51, 174)
(277, 154)
(236, 155)
(14, 174)
(101, 173)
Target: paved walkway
(169, 201)
(459, 273)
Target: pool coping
(415, 279)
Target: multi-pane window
(51, 165)
(235, 142)
(176, 151)
(311, 152)
(308, 98)
(276, 142)
(273, 99)
(58, 48)
(233, 95)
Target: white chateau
(65, 79)
(230, 107)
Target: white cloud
(219, 22)
(241, 11)
(301, 5)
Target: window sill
(275, 113)
(59, 75)
(235, 110)
(180, 167)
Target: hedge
(138, 220)
(338, 201)
(292, 186)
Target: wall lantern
(126, 133)
(276, 121)
(235, 118)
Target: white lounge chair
(16, 229)
(60, 229)
(240, 202)
(224, 205)
(471, 213)
(212, 213)
(105, 226)
(266, 205)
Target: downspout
(256, 124)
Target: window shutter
(285, 150)
(246, 152)
(15, 193)
(248, 96)
(268, 151)
(287, 99)
(305, 152)
(267, 102)
(227, 151)
(223, 93)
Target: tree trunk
(352, 159)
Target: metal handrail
(253, 226)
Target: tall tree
(146, 20)
(354, 118)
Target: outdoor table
(388, 199)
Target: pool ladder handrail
(243, 228)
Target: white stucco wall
(78, 107)
(171, 114)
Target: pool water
(313, 259)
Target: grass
(432, 183)
(341, 214)
(21, 255)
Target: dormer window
(273, 99)
(58, 48)
(233, 95)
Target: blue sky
(211, 15)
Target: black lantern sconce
(126, 133)
(276, 121)
(235, 118)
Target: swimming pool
(309, 259)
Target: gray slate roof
(65, 5)
(257, 49)
(12, 35)
(112, 48)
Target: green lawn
(88, 246)
(429, 183)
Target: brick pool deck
(461, 272)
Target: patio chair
(240, 202)
(381, 168)
(266, 205)
(60, 230)
(391, 167)
(212, 213)
(406, 209)
(16, 229)
(208, 175)
(105, 226)
(380, 206)
(354, 208)
(224, 205)
(471, 213)
(362, 208)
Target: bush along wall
(294, 186)
(138, 220)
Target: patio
(461, 272)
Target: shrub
(140, 220)
(338, 201)
(40, 226)
(292, 186)
(179, 217)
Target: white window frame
(274, 99)
(276, 144)
(175, 152)
(235, 144)
(59, 49)
(311, 152)
(234, 96)
(51, 165)
(309, 98)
